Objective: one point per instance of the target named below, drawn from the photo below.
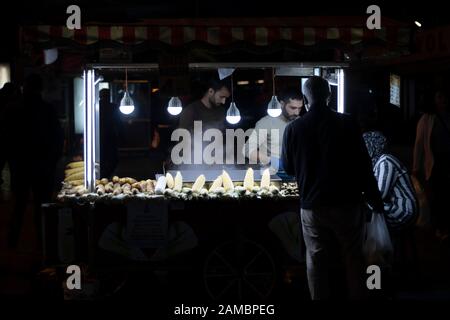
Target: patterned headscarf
(376, 144)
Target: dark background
(14, 13)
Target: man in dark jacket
(34, 146)
(324, 150)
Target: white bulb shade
(126, 109)
(233, 114)
(174, 106)
(174, 110)
(233, 119)
(126, 104)
(274, 107)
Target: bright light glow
(274, 112)
(341, 91)
(5, 74)
(233, 119)
(126, 109)
(174, 107)
(303, 82)
(243, 83)
(98, 80)
(174, 110)
(332, 83)
(259, 81)
(155, 90)
(126, 104)
(317, 72)
(78, 104)
(233, 114)
(274, 107)
(332, 79)
(89, 130)
(418, 24)
(85, 125)
(103, 85)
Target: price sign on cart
(147, 224)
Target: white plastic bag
(378, 247)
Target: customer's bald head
(316, 90)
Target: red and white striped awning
(260, 32)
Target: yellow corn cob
(69, 172)
(265, 179)
(75, 176)
(216, 184)
(199, 183)
(160, 185)
(76, 183)
(169, 180)
(178, 183)
(227, 182)
(77, 164)
(249, 180)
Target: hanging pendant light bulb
(174, 107)
(126, 104)
(274, 106)
(233, 114)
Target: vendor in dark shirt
(209, 109)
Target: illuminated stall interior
(145, 112)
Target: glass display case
(132, 125)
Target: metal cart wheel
(113, 284)
(239, 269)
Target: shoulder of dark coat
(296, 124)
(346, 117)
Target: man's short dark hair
(316, 89)
(203, 82)
(217, 84)
(291, 93)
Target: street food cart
(228, 225)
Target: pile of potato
(74, 183)
(126, 186)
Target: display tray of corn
(172, 187)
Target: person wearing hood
(394, 183)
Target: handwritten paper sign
(147, 224)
